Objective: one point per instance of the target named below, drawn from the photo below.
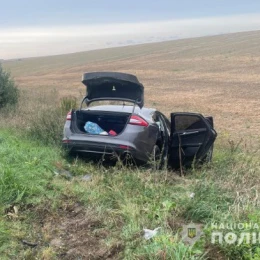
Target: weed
(46, 126)
(67, 103)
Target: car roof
(144, 111)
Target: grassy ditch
(47, 213)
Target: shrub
(47, 125)
(8, 89)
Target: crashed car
(132, 130)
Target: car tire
(127, 159)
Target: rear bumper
(112, 150)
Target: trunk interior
(108, 121)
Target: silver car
(144, 134)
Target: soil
(76, 233)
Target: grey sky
(37, 28)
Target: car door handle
(189, 133)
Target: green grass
(125, 200)
(25, 169)
(26, 173)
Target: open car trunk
(110, 122)
(113, 86)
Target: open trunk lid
(113, 86)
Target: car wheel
(127, 159)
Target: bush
(47, 125)
(8, 89)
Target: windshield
(107, 102)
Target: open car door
(192, 137)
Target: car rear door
(192, 136)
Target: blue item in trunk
(93, 128)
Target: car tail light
(66, 141)
(125, 147)
(137, 120)
(68, 116)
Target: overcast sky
(38, 28)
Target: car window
(188, 122)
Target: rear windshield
(110, 102)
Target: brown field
(217, 75)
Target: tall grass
(67, 103)
(46, 126)
(42, 118)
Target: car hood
(113, 86)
